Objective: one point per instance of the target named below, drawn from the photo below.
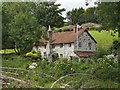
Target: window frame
(61, 45)
(90, 45)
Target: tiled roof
(65, 37)
(84, 54)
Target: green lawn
(104, 38)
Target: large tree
(23, 23)
(76, 16)
(90, 15)
(48, 13)
(20, 26)
(108, 15)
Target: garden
(62, 73)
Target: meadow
(104, 38)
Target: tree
(109, 17)
(20, 26)
(48, 13)
(9, 10)
(6, 19)
(90, 16)
(76, 16)
(24, 32)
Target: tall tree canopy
(23, 23)
(48, 13)
(108, 15)
(76, 16)
(90, 15)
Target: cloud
(71, 4)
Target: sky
(71, 4)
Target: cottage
(76, 42)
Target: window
(61, 55)
(53, 46)
(84, 40)
(45, 46)
(70, 45)
(45, 54)
(80, 44)
(71, 57)
(89, 45)
(61, 45)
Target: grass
(104, 38)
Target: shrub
(106, 69)
(29, 54)
(100, 52)
(34, 55)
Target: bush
(100, 52)
(34, 55)
(106, 69)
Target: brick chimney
(77, 27)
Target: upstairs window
(70, 45)
(61, 45)
(89, 45)
(80, 44)
(53, 46)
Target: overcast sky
(71, 4)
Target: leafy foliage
(48, 13)
(24, 23)
(34, 55)
(103, 74)
(76, 16)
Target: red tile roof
(84, 54)
(65, 37)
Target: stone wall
(85, 41)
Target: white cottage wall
(66, 50)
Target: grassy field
(104, 38)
